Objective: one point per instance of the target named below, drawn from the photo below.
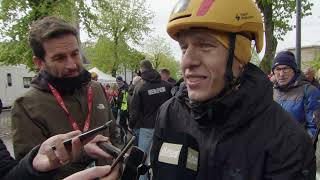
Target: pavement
(8, 142)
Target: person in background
(42, 161)
(135, 81)
(148, 95)
(94, 76)
(223, 123)
(309, 73)
(165, 75)
(122, 105)
(62, 97)
(295, 93)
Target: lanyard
(71, 119)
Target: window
(26, 82)
(9, 79)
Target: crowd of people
(225, 119)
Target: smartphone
(123, 152)
(85, 135)
(135, 164)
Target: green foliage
(315, 64)
(172, 64)
(159, 52)
(16, 17)
(101, 54)
(282, 13)
(157, 48)
(123, 22)
(277, 16)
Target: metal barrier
(5, 123)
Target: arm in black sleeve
(135, 108)
(24, 170)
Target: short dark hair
(146, 64)
(48, 28)
(164, 70)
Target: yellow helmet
(234, 16)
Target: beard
(67, 85)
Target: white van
(14, 82)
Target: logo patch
(192, 160)
(101, 106)
(156, 91)
(169, 153)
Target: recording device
(85, 135)
(134, 162)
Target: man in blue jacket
(295, 93)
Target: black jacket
(11, 169)
(148, 95)
(244, 136)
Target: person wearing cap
(309, 73)
(94, 76)
(223, 123)
(295, 93)
(122, 105)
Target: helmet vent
(180, 17)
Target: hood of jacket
(151, 76)
(238, 107)
(63, 85)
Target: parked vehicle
(14, 81)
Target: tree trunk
(116, 56)
(271, 41)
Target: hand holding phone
(84, 136)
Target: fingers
(93, 150)
(99, 138)
(77, 148)
(91, 173)
(114, 174)
(64, 154)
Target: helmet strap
(229, 73)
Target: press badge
(192, 159)
(169, 153)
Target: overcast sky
(310, 26)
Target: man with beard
(223, 123)
(62, 98)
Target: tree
(123, 22)
(277, 15)
(100, 54)
(315, 63)
(16, 17)
(169, 62)
(157, 48)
